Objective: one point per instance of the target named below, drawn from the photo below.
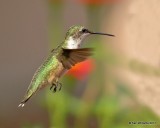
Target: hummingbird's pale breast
(74, 43)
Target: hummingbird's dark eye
(84, 30)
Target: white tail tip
(21, 105)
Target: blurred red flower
(82, 70)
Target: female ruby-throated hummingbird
(61, 59)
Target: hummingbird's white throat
(74, 43)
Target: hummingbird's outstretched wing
(70, 57)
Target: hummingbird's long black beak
(98, 33)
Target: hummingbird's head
(76, 34)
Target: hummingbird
(60, 60)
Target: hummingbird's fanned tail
(26, 98)
(23, 102)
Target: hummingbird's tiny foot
(51, 87)
(55, 89)
(55, 86)
(60, 86)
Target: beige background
(138, 40)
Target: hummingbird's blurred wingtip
(21, 105)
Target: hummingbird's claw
(55, 86)
(51, 87)
(60, 86)
(55, 89)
